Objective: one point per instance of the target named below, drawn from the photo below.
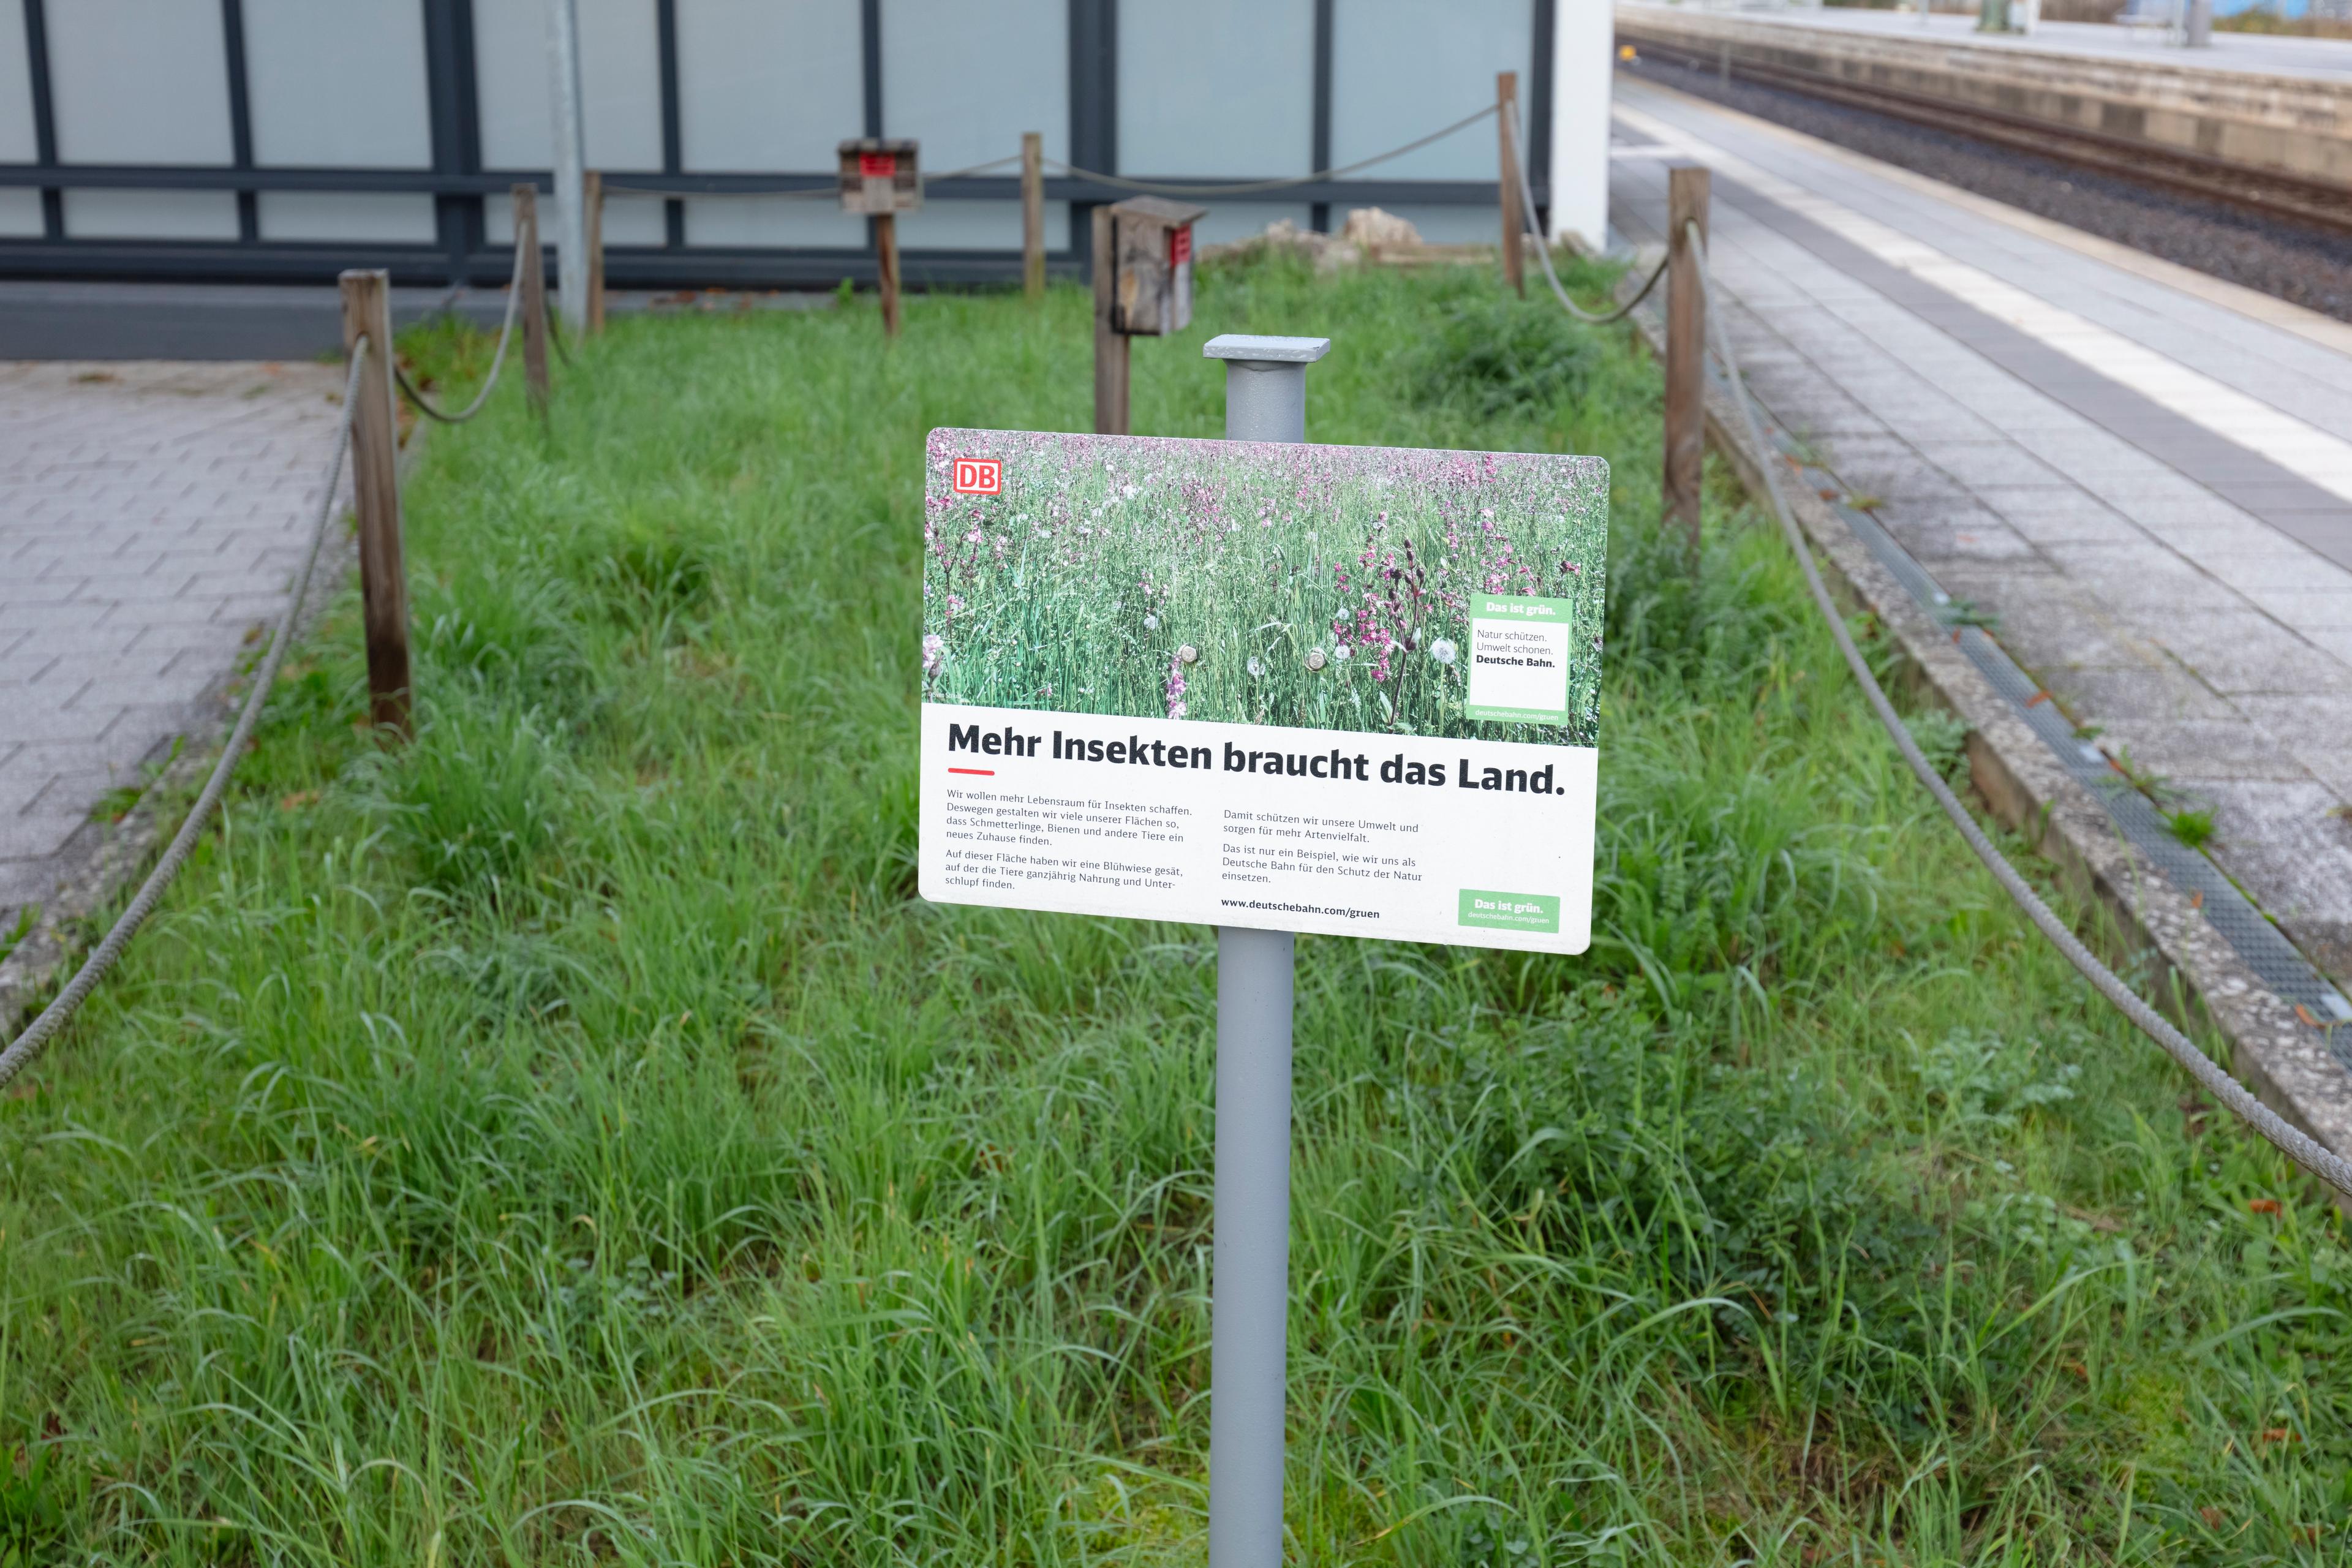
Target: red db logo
(877, 166)
(979, 476)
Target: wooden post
(592, 187)
(1110, 346)
(1687, 193)
(375, 488)
(885, 256)
(1033, 213)
(1515, 217)
(534, 295)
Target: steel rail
(2271, 192)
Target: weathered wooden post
(1514, 222)
(593, 193)
(1143, 288)
(375, 490)
(878, 179)
(1686, 200)
(1033, 213)
(534, 295)
(1110, 344)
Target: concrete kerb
(2286, 1062)
(103, 861)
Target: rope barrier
(1253, 187)
(1096, 176)
(1543, 249)
(28, 1045)
(2291, 1141)
(805, 194)
(506, 330)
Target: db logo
(877, 166)
(979, 476)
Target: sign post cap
(1274, 350)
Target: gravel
(2308, 266)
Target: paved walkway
(2146, 475)
(151, 514)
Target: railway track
(2322, 203)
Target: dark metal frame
(460, 253)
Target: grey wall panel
(17, 142)
(1400, 69)
(967, 79)
(620, 83)
(20, 213)
(357, 216)
(750, 221)
(150, 215)
(1216, 87)
(769, 85)
(341, 83)
(140, 81)
(628, 220)
(979, 225)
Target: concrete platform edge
(2282, 1060)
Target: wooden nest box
(879, 178)
(1152, 240)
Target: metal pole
(571, 163)
(1249, 1313)
(2200, 31)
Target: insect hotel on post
(879, 181)
(1143, 288)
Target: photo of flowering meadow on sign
(1323, 587)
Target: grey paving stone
(2238, 653)
(2197, 752)
(1970, 539)
(36, 835)
(1977, 464)
(2060, 515)
(2106, 695)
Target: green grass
(566, 1138)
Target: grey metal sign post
(1266, 400)
(571, 163)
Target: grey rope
(28, 1045)
(1096, 176)
(2294, 1143)
(1154, 187)
(506, 330)
(1543, 249)
(806, 194)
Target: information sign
(1348, 690)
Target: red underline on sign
(984, 773)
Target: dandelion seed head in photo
(1111, 575)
